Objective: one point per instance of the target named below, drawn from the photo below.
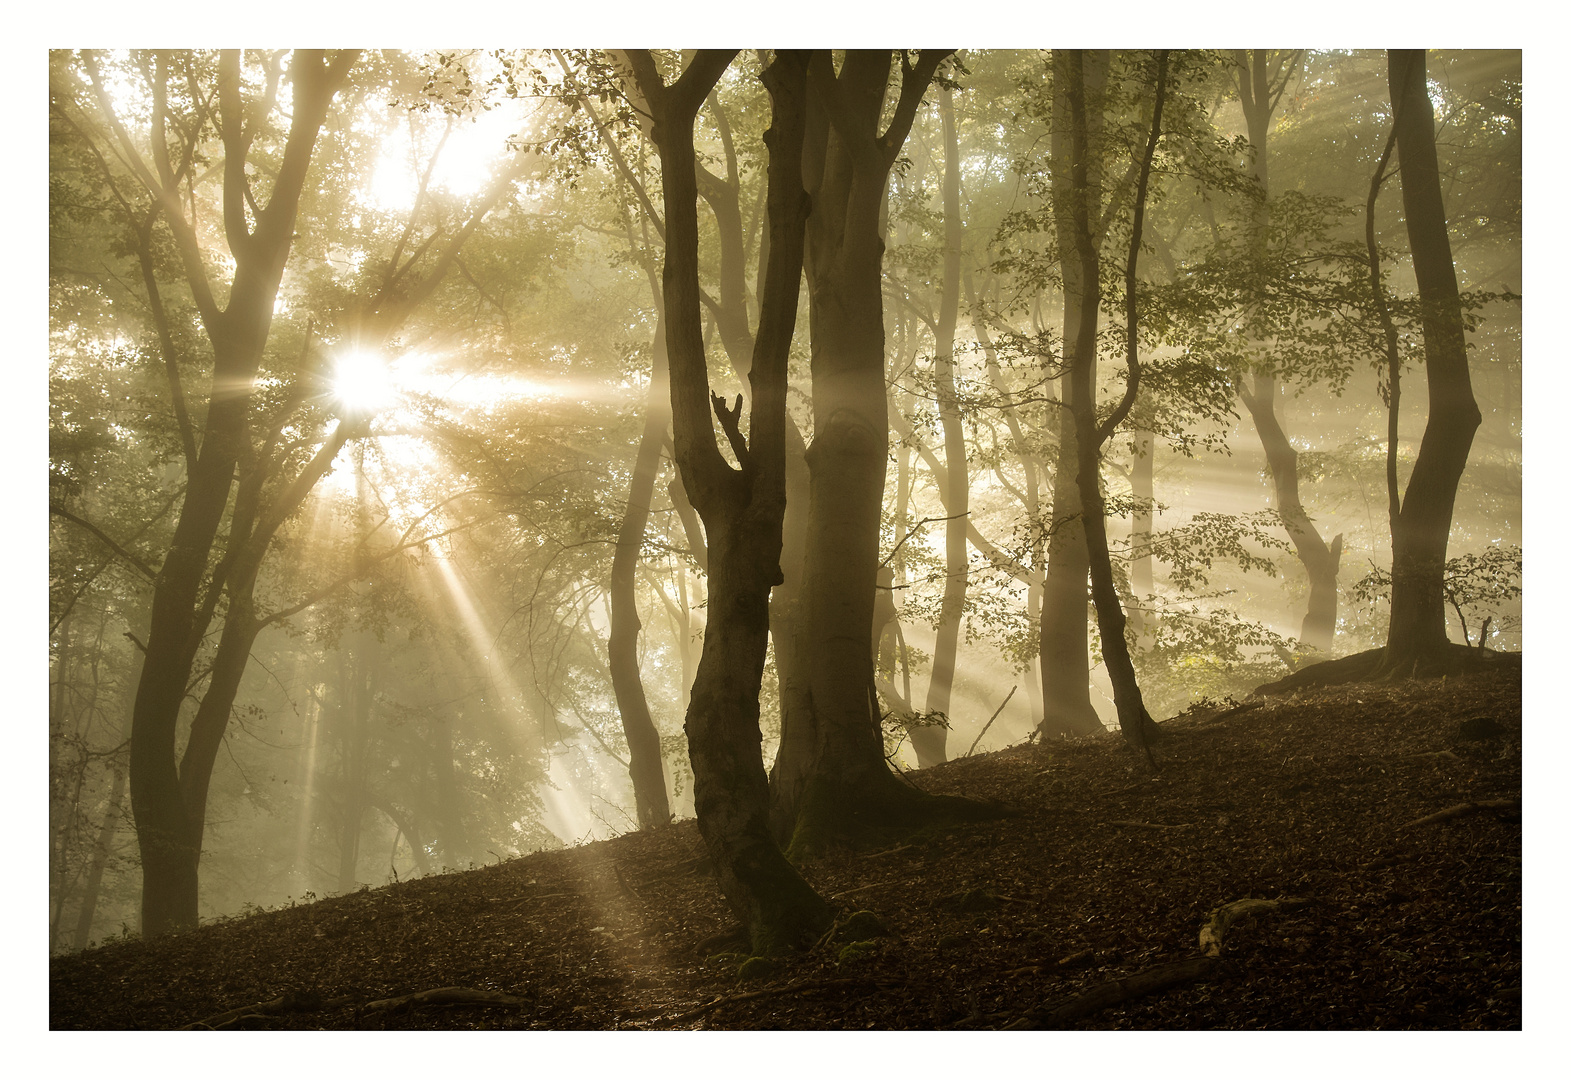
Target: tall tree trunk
(1133, 720)
(1065, 624)
(638, 726)
(742, 508)
(1259, 90)
(1417, 635)
(928, 740)
(238, 334)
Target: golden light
(363, 382)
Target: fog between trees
(419, 424)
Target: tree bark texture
(742, 508)
(1418, 542)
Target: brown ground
(1316, 797)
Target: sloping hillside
(1385, 817)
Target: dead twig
(1464, 809)
(1117, 991)
(1149, 825)
(447, 995)
(990, 719)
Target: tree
(1090, 433)
(1263, 77)
(742, 507)
(830, 777)
(1417, 635)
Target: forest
(466, 454)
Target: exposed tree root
(1464, 809)
(879, 809)
(447, 995)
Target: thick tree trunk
(1417, 633)
(742, 509)
(643, 739)
(929, 740)
(847, 164)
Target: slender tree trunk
(1417, 635)
(1065, 634)
(1133, 719)
(638, 726)
(1142, 579)
(1321, 561)
(101, 850)
(929, 740)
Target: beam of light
(566, 804)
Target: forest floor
(1096, 889)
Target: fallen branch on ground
(1149, 825)
(1463, 809)
(1149, 981)
(1436, 754)
(447, 995)
(289, 1001)
(775, 991)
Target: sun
(363, 382)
